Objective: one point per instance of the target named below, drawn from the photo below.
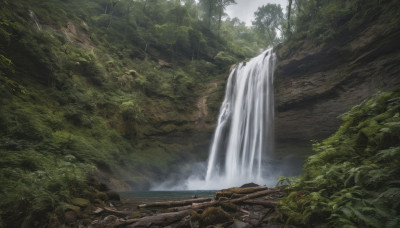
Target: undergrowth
(352, 179)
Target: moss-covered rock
(229, 207)
(213, 216)
(74, 208)
(80, 202)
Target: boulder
(80, 202)
(70, 217)
(213, 216)
(113, 195)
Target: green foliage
(91, 83)
(352, 179)
(323, 21)
(131, 111)
(34, 187)
(268, 18)
(223, 58)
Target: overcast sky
(244, 9)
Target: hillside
(321, 76)
(124, 91)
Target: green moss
(80, 202)
(73, 208)
(229, 207)
(213, 216)
(136, 214)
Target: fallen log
(175, 203)
(107, 210)
(215, 203)
(236, 192)
(195, 206)
(254, 195)
(266, 203)
(163, 219)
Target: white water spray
(244, 135)
(35, 19)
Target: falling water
(244, 134)
(35, 19)
(241, 151)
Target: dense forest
(102, 94)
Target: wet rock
(70, 217)
(249, 185)
(239, 224)
(98, 210)
(113, 195)
(108, 220)
(74, 208)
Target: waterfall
(244, 135)
(35, 19)
(241, 150)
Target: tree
(209, 6)
(289, 9)
(268, 19)
(221, 5)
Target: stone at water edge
(113, 195)
(249, 185)
(239, 224)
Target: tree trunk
(209, 14)
(219, 19)
(163, 220)
(238, 200)
(255, 195)
(270, 37)
(238, 192)
(175, 203)
(288, 18)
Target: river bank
(244, 206)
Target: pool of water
(139, 197)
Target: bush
(352, 179)
(37, 197)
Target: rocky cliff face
(315, 85)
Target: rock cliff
(316, 84)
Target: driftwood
(177, 212)
(163, 219)
(266, 203)
(110, 211)
(195, 206)
(238, 200)
(238, 192)
(254, 195)
(174, 203)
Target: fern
(352, 179)
(393, 222)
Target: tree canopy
(269, 19)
